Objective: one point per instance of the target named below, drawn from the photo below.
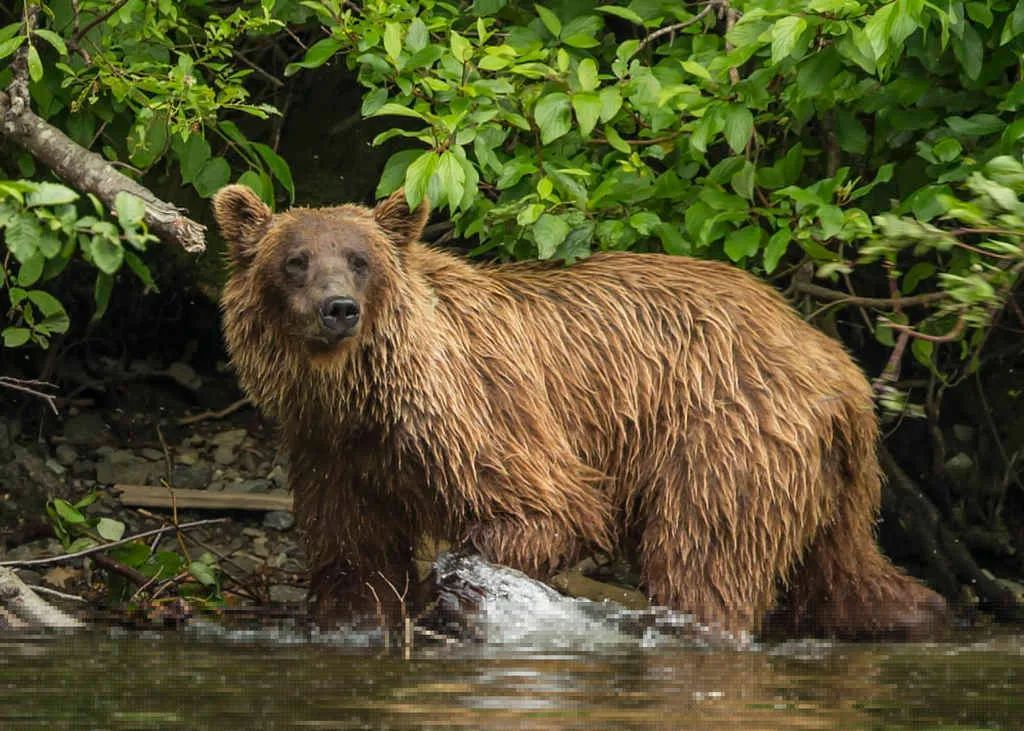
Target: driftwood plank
(155, 496)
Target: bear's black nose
(339, 315)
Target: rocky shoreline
(258, 554)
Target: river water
(206, 677)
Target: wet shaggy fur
(672, 408)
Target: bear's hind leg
(846, 588)
(696, 562)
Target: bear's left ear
(400, 224)
(243, 219)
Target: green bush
(878, 141)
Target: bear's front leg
(538, 545)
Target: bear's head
(320, 274)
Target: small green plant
(197, 578)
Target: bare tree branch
(80, 168)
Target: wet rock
(84, 468)
(152, 454)
(124, 467)
(66, 455)
(256, 485)
(193, 477)
(86, 429)
(56, 467)
(254, 533)
(30, 577)
(279, 520)
(231, 438)
(279, 476)
(285, 593)
(42, 548)
(184, 375)
(187, 457)
(225, 455)
(26, 483)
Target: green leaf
(110, 530)
(203, 573)
(947, 149)
(35, 65)
(462, 49)
(131, 554)
(850, 133)
(67, 512)
(30, 271)
(672, 240)
(418, 175)
(397, 110)
(417, 38)
(53, 39)
(15, 337)
(696, 69)
(317, 55)
(554, 117)
(550, 20)
(776, 249)
(278, 168)
(970, 51)
(130, 209)
(46, 302)
(922, 350)
(976, 126)
(213, 176)
(785, 34)
(743, 242)
(22, 235)
(394, 172)
(451, 177)
(918, 273)
(586, 72)
(140, 270)
(50, 194)
(10, 46)
(393, 40)
(611, 103)
(643, 222)
(625, 13)
(548, 232)
(192, 156)
(101, 294)
(107, 255)
(739, 125)
(742, 180)
(588, 109)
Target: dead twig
(32, 388)
(113, 544)
(204, 416)
(675, 27)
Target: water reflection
(283, 680)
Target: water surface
(206, 677)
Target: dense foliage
(877, 142)
(865, 156)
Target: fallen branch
(113, 544)
(19, 599)
(32, 388)
(154, 496)
(81, 168)
(675, 27)
(226, 411)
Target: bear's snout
(339, 315)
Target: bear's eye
(295, 266)
(357, 263)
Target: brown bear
(672, 408)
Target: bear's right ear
(400, 224)
(243, 220)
